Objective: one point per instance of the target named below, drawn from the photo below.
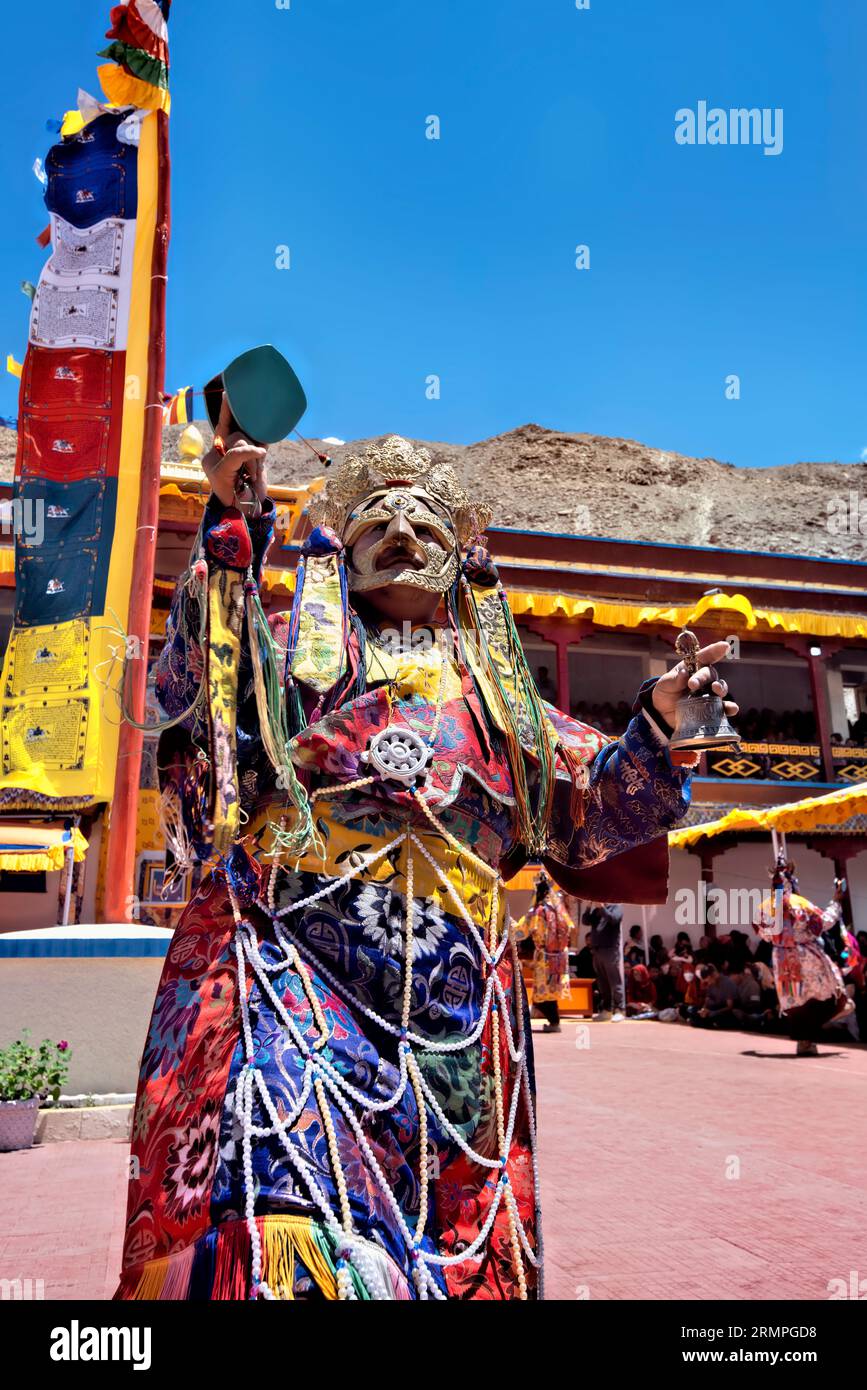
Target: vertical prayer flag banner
(178, 409)
(88, 455)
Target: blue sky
(412, 257)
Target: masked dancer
(336, 1094)
(809, 985)
(548, 926)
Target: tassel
(359, 684)
(278, 1261)
(204, 1266)
(286, 1239)
(295, 613)
(175, 833)
(399, 1285)
(578, 775)
(193, 595)
(153, 1277)
(232, 1265)
(269, 660)
(218, 1265)
(177, 1284)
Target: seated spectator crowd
(726, 981)
(754, 725)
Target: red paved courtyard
(673, 1166)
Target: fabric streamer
(178, 409)
(225, 615)
(319, 622)
(497, 661)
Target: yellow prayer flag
(123, 89)
(73, 122)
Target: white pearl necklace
(356, 1257)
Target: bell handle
(687, 648)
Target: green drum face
(265, 396)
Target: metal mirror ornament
(701, 721)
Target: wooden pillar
(562, 636)
(819, 692)
(563, 690)
(815, 660)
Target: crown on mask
(389, 462)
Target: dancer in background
(549, 926)
(809, 985)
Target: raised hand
(222, 470)
(674, 684)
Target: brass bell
(701, 720)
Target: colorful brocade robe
(802, 969)
(336, 1095)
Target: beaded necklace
(359, 1259)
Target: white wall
(100, 1005)
(24, 911)
(747, 866)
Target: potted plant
(28, 1076)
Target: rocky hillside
(591, 485)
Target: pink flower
(63, 1046)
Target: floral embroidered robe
(292, 1130)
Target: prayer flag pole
(119, 892)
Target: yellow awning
(632, 615)
(31, 849)
(813, 811)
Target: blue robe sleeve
(617, 849)
(634, 795)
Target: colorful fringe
(269, 662)
(218, 1266)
